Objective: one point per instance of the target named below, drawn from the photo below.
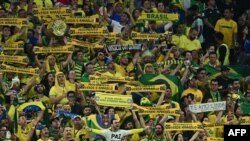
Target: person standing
(115, 133)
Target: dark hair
(219, 36)
(213, 80)
(111, 121)
(191, 96)
(200, 69)
(211, 53)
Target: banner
(171, 62)
(86, 20)
(99, 87)
(7, 68)
(112, 35)
(214, 139)
(158, 110)
(62, 11)
(84, 44)
(88, 31)
(103, 79)
(114, 100)
(13, 46)
(207, 107)
(145, 36)
(62, 49)
(13, 22)
(159, 17)
(183, 126)
(245, 120)
(14, 59)
(146, 88)
(115, 48)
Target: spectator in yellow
(58, 93)
(228, 28)
(192, 88)
(191, 42)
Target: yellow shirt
(196, 92)
(123, 71)
(11, 39)
(127, 42)
(22, 134)
(39, 3)
(58, 91)
(189, 45)
(111, 75)
(81, 134)
(176, 39)
(228, 29)
(70, 86)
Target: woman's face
(51, 78)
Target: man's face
(212, 58)
(87, 111)
(158, 130)
(214, 85)
(45, 132)
(2, 13)
(78, 122)
(193, 34)
(3, 132)
(168, 93)
(124, 60)
(116, 124)
(79, 56)
(22, 121)
(6, 31)
(118, 8)
(40, 88)
(56, 123)
(90, 69)
(160, 7)
(67, 132)
(100, 56)
(236, 85)
(124, 18)
(60, 79)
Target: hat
(224, 68)
(108, 60)
(77, 116)
(41, 126)
(55, 117)
(98, 137)
(91, 94)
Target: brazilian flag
(170, 81)
(234, 73)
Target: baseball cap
(98, 137)
(77, 116)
